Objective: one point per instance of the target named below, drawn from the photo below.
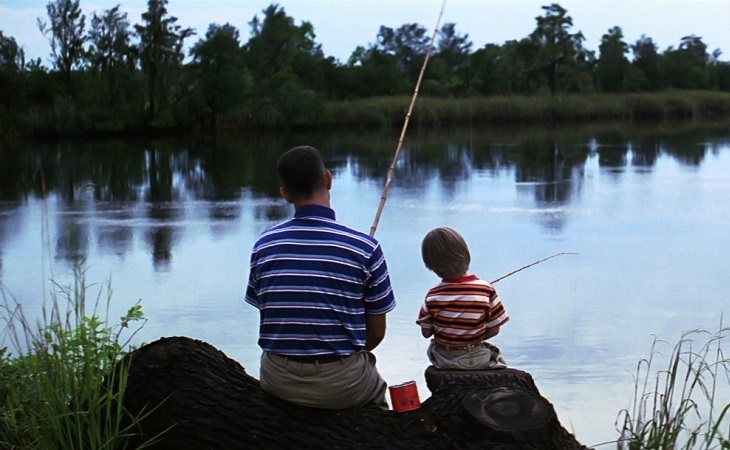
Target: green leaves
(222, 78)
(612, 61)
(559, 51)
(65, 32)
(287, 68)
(161, 55)
(64, 388)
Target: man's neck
(320, 199)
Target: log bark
(201, 399)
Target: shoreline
(429, 112)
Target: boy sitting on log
(462, 311)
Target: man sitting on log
(323, 291)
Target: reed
(526, 110)
(683, 405)
(62, 385)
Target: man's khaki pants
(350, 382)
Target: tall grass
(62, 382)
(685, 405)
(526, 110)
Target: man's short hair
(445, 252)
(301, 171)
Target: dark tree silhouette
(558, 48)
(65, 33)
(222, 77)
(161, 52)
(111, 53)
(612, 61)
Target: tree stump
(198, 398)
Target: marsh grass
(684, 405)
(528, 110)
(62, 381)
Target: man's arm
(375, 329)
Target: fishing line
(530, 265)
(391, 169)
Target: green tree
(408, 44)
(222, 79)
(484, 65)
(285, 62)
(517, 67)
(110, 41)
(371, 72)
(276, 43)
(644, 73)
(161, 53)
(506, 69)
(111, 53)
(65, 33)
(452, 43)
(12, 56)
(12, 63)
(559, 50)
(449, 70)
(612, 61)
(391, 64)
(687, 66)
(722, 76)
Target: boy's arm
(424, 320)
(496, 316)
(491, 332)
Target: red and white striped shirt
(461, 310)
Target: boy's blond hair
(445, 252)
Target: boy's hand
(423, 319)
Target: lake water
(171, 222)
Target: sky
(342, 25)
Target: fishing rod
(398, 148)
(530, 265)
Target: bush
(64, 386)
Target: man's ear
(286, 195)
(328, 179)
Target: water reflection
(645, 152)
(150, 187)
(173, 221)
(6, 228)
(72, 238)
(114, 233)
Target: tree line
(109, 75)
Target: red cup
(404, 397)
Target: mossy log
(205, 400)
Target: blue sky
(342, 25)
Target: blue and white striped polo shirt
(314, 281)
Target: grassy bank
(61, 381)
(70, 120)
(531, 110)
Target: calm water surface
(171, 222)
